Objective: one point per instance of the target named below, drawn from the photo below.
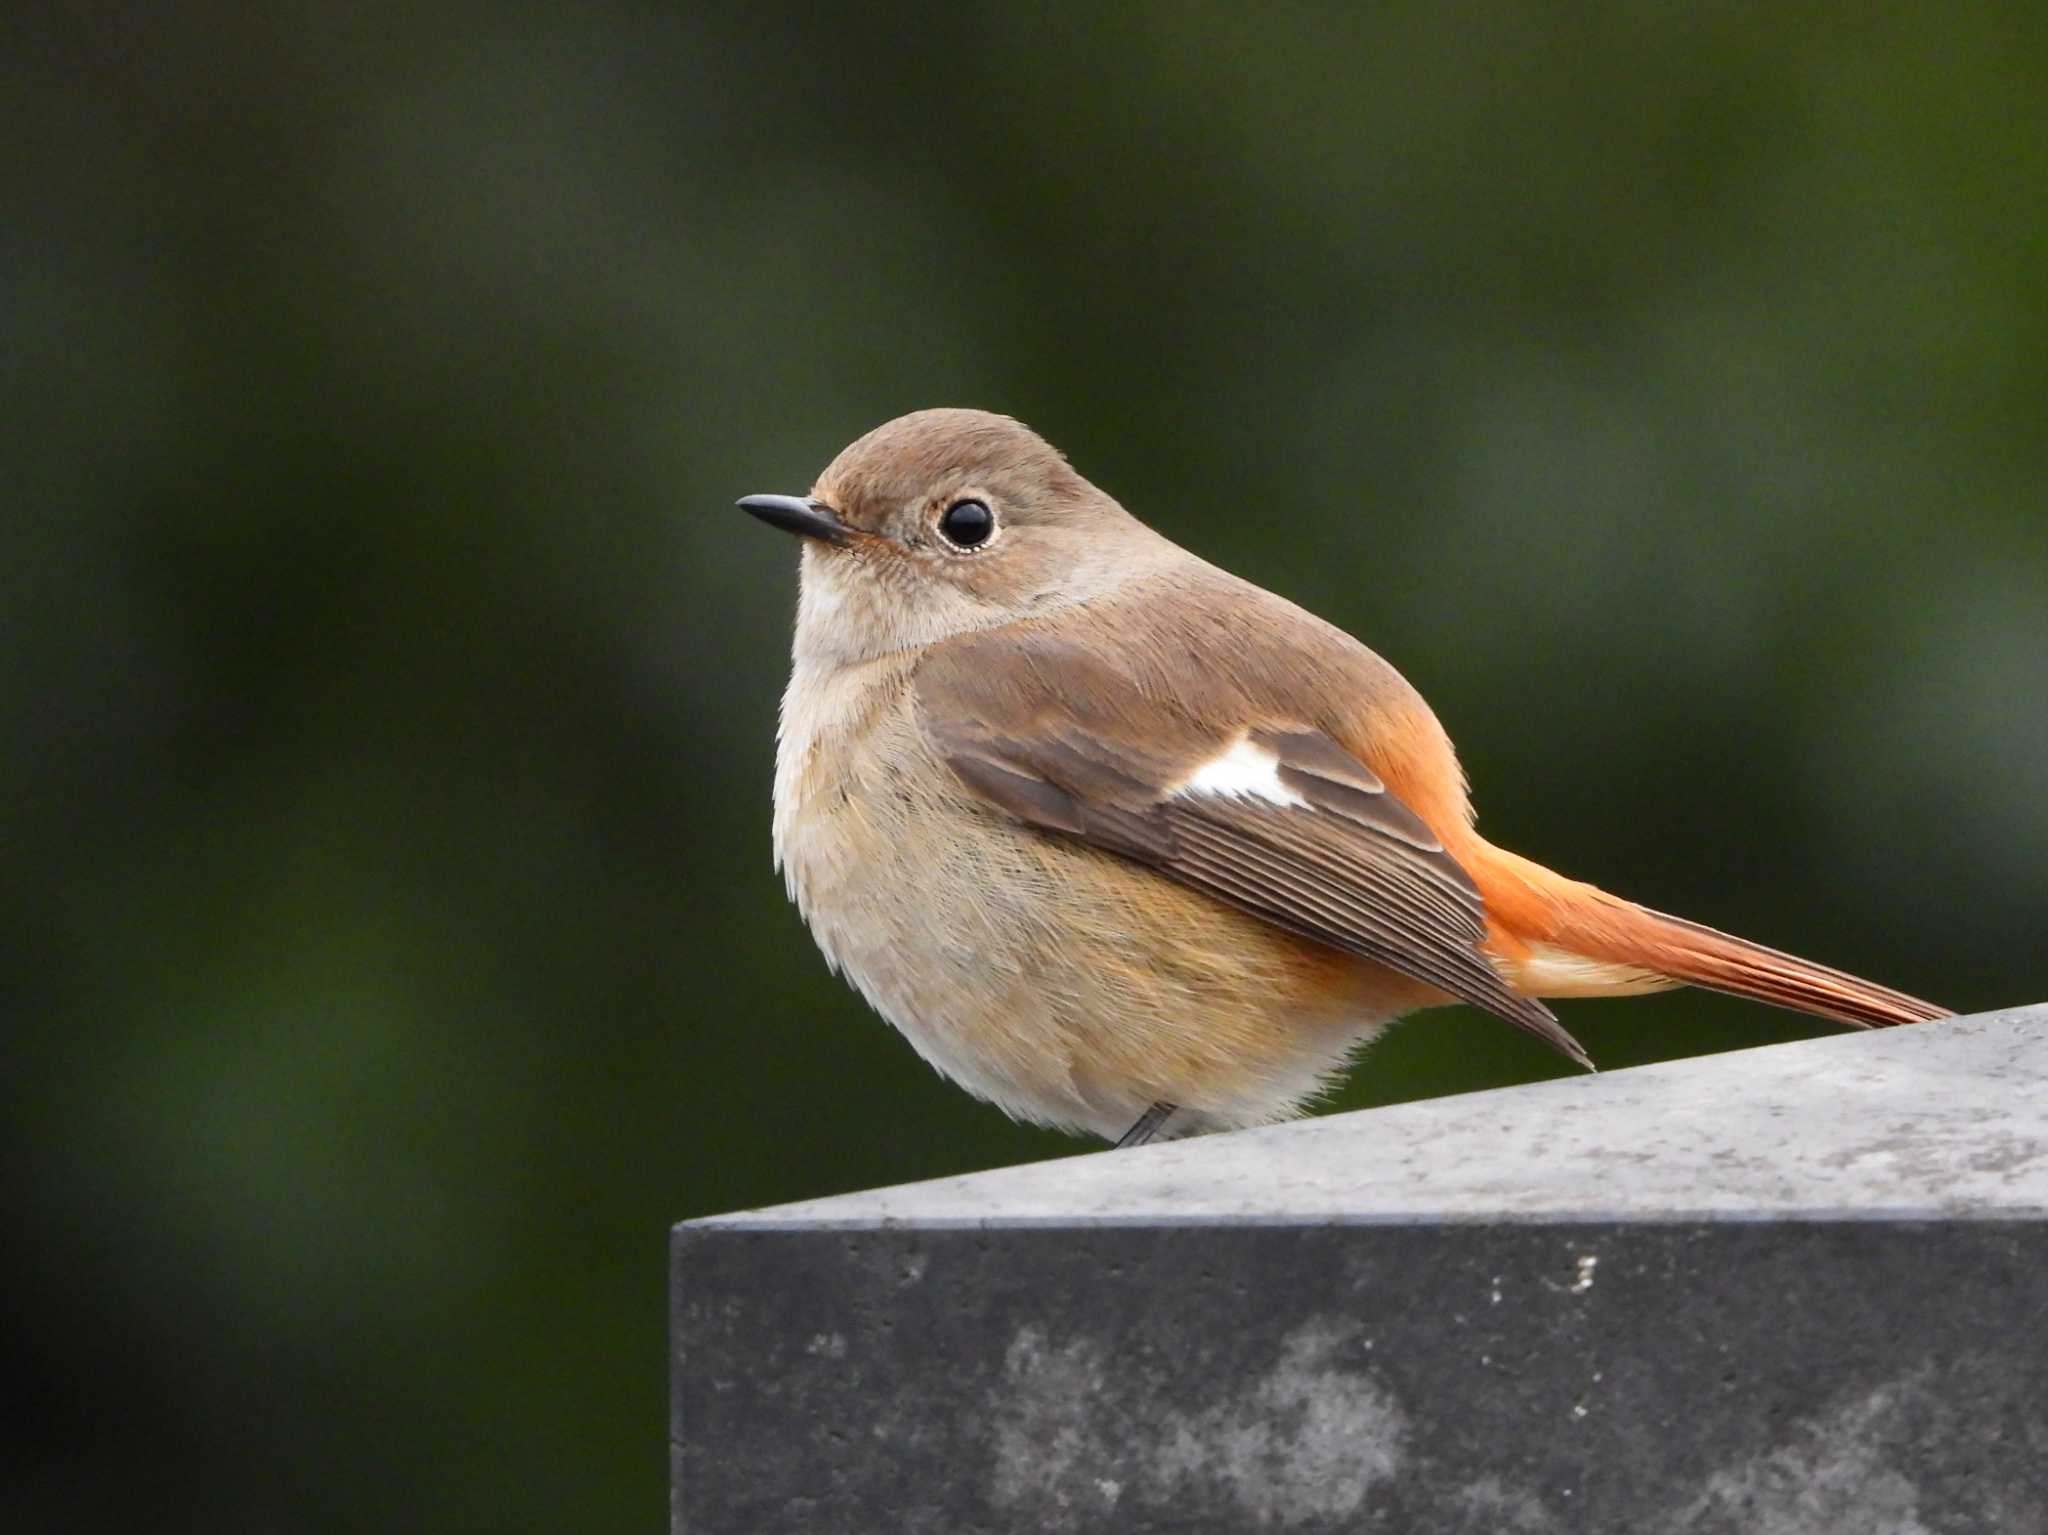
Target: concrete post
(1787, 1290)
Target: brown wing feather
(1353, 867)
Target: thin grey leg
(1149, 1124)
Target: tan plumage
(1100, 826)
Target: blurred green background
(390, 941)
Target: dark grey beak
(795, 514)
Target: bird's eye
(967, 524)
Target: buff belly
(1068, 986)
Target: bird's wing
(1267, 814)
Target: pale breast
(1064, 984)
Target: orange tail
(1559, 937)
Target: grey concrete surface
(1788, 1290)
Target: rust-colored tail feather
(1687, 951)
(1533, 905)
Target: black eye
(967, 524)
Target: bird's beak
(796, 514)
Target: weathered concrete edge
(752, 1224)
(1808, 1105)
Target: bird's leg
(1149, 1124)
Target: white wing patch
(1243, 771)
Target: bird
(1134, 848)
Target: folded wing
(1271, 816)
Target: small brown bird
(1126, 845)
